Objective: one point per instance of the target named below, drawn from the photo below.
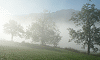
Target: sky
(19, 7)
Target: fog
(28, 14)
(61, 18)
(62, 24)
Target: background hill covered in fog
(61, 18)
(58, 16)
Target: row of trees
(46, 32)
(42, 30)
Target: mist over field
(61, 19)
(49, 30)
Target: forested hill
(61, 15)
(61, 18)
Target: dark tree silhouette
(89, 35)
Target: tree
(44, 31)
(55, 39)
(13, 28)
(89, 35)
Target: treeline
(43, 30)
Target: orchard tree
(89, 35)
(45, 31)
(13, 28)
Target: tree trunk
(88, 48)
(89, 35)
(89, 40)
(89, 43)
(43, 42)
(11, 37)
(55, 45)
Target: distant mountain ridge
(61, 18)
(61, 15)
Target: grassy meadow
(39, 52)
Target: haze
(26, 11)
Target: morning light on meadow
(49, 30)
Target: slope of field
(39, 52)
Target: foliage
(13, 28)
(89, 35)
(45, 31)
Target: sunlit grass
(26, 53)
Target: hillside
(61, 19)
(39, 52)
(61, 15)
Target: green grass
(41, 53)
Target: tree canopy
(89, 35)
(13, 28)
(44, 31)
